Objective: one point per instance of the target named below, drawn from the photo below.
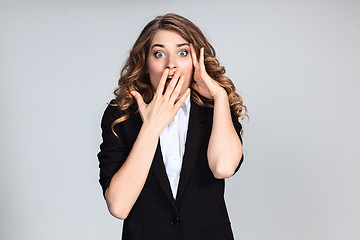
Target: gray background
(296, 64)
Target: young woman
(171, 136)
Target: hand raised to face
(165, 103)
(203, 83)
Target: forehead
(167, 37)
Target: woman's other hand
(203, 83)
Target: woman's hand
(203, 84)
(163, 107)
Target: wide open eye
(159, 54)
(183, 53)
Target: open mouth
(168, 79)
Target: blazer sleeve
(238, 128)
(113, 150)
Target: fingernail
(167, 70)
(188, 90)
(132, 93)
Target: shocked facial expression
(169, 50)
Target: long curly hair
(134, 75)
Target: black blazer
(199, 211)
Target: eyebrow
(162, 46)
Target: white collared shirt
(172, 142)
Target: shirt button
(174, 135)
(175, 220)
(174, 159)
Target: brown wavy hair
(133, 75)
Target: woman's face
(169, 50)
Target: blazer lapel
(159, 170)
(196, 135)
(157, 166)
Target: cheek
(188, 70)
(154, 68)
(186, 67)
(155, 72)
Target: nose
(171, 62)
